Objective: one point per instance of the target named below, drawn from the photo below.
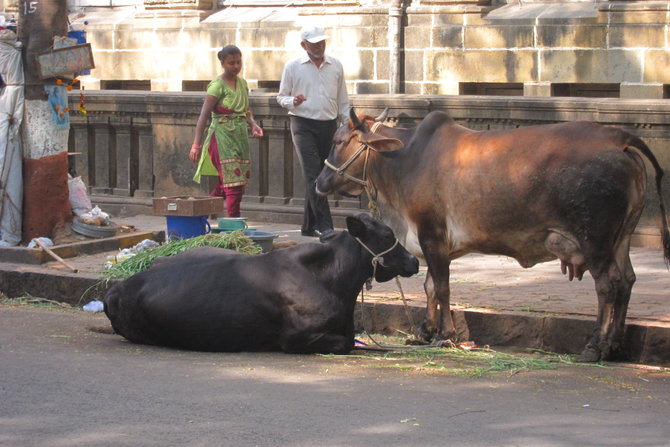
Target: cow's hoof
(590, 354)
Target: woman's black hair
(227, 51)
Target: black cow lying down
(298, 299)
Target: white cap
(313, 34)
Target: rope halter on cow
(377, 259)
(341, 169)
(362, 148)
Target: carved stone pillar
(122, 152)
(258, 149)
(78, 143)
(278, 166)
(145, 160)
(102, 159)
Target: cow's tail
(641, 146)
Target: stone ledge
(71, 288)
(647, 342)
(24, 255)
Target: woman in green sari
(226, 146)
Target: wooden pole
(54, 255)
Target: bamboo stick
(54, 255)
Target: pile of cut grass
(456, 361)
(235, 240)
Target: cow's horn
(381, 118)
(354, 118)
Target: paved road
(65, 380)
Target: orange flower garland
(82, 105)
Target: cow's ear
(355, 226)
(380, 143)
(355, 121)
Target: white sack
(11, 115)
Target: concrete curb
(645, 343)
(72, 288)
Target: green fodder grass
(457, 361)
(235, 240)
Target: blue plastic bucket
(184, 227)
(78, 35)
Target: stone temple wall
(553, 48)
(133, 146)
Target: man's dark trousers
(312, 140)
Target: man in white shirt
(312, 89)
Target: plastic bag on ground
(79, 200)
(128, 253)
(95, 217)
(45, 240)
(94, 306)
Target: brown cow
(572, 191)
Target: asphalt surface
(66, 380)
